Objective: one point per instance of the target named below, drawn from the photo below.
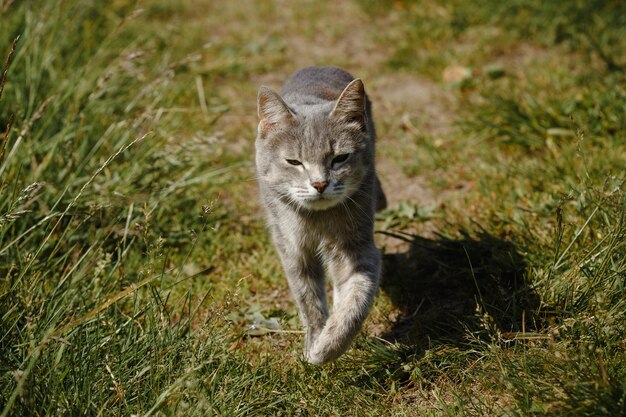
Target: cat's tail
(354, 298)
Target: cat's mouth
(312, 199)
(320, 202)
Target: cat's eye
(341, 158)
(293, 162)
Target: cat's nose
(320, 186)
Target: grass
(133, 254)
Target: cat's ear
(350, 107)
(273, 112)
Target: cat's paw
(323, 351)
(316, 358)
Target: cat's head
(314, 156)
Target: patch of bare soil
(419, 106)
(430, 103)
(407, 108)
(312, 41)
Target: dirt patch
(408, 107)
(417, 102)
(412, 106)
(520, 55)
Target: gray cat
(315, 167)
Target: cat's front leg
(305, 275)
(356, 283)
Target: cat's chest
(322, 230)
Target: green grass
(133, 253)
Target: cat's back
(314, 85)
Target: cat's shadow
(443, 287)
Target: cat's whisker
(361, 210)
(350, 217)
